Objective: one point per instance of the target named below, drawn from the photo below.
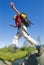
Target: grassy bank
(5, 54)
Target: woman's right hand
(12, 4)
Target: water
(34, 59)
(19, 62)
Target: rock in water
(35, 59)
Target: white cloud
(2, 44)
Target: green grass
(5, 54)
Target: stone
(21, 63)
(8, 63)
(35, 59)
(2, 62)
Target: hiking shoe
(38, 47)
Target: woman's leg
(31, 40)
(16, 38)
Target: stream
(33, 59)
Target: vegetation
(5, 54)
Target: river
(33, 59)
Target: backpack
(25, 21)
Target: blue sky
(35, 12)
